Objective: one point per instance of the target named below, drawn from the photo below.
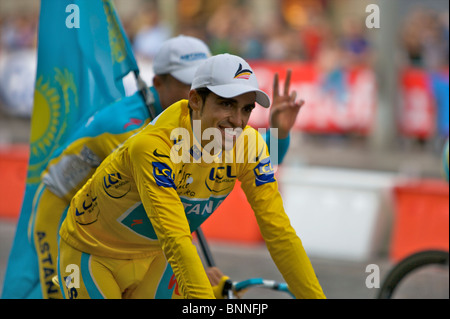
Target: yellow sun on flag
(46, 118)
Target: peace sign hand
(285, 108)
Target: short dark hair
(203, 92)
(163, 77)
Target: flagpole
(146, 94)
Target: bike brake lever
(227, 289)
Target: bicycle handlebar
(230, 288)
(233, 287)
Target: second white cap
(180, 57)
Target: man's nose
(236, 118)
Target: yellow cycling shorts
(85, 276)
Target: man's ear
(195, 100)
(157, 82)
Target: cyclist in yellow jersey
(127, 233)
(75, 162)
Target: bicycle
(235, 289)
(407, 269)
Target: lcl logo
(219, 176)
(115, 186)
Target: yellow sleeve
(154, 175)
(68, 172)
(285, 247)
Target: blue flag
(83, 54)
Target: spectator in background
(18, 39)
(424, 38)
(245, 35)
(281, 43)
(18, 32)
(219, 30)
(150, 34)
(330, 65)
(315, 34)
(231, 30)
(411, 39)
(444, 19)
(354, 42)
(435, 41)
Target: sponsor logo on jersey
(115, 186)
(264, 172)
(88, 212)
(157, 153)
(163, 175)
(173, 283)
(197, 210)
(220, 179)
(201, 207)
(136, 220)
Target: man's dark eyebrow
(231, 100)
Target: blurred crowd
(425, 39)
(234, 29)
(18, 32)
(311, 33)
(424, 36)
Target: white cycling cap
(180, 57)
(229, 76)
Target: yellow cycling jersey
(157, 188)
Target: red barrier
(339, 102)
(13, 169)
(234, 220)
(421, 218)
